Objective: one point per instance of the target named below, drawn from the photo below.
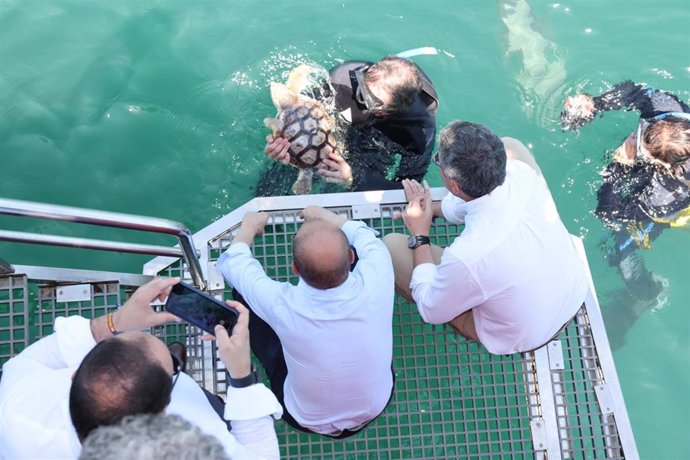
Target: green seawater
(155, 107)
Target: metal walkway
(452, 399)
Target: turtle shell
(310, 131)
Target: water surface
(155, 107)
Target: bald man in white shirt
(327, 342)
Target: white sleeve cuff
(423, 273)
(252, 402)
(74, 339)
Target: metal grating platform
(14, 314)
(452, 399)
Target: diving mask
(363, 95)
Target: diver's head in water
(666, 140)
(388, 86)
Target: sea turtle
(305, 123)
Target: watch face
(411, 241)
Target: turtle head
(299, 77)
(282, 96)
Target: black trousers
(266, 345)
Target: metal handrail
(187, 250)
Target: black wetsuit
(413, 132)
(380, 151)
(633, 196)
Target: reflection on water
(542, 74)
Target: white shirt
(34, 403)
(338, 343)
(514, 265)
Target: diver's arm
(626, 95)
(581, 108)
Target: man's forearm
(244, 235)
(422, 255)
(99, 328)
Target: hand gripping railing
(105, 219)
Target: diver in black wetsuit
(389, 108)
(647, 186)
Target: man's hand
(317, 212)
(336, 170)
(252, 225)
(234, 349)
(136, 313)
(277, 148)
(255, 222)
(418, 213)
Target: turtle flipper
(302, 185)
(274, 124)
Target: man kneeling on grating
(512, 279)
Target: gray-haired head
(473, 157)
(148, 436)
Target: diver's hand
(335, 170)
(277, 149)
(578, 110)
(317, 212)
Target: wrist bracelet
(246, 381)
(111, 324)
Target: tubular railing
(186, 250)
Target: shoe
(180, 352)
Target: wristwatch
(250, 379)
(415, 241)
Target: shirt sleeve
(251, 411)
(443, 292)
(64, 348)
(34, 391)
(453, 209)
(374, 259)
(242, 271)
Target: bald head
(322, 254)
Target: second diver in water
(646, 188)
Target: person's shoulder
(519, 169)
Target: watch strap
(420, 240)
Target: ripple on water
(31, 160)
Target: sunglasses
(362, 94)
